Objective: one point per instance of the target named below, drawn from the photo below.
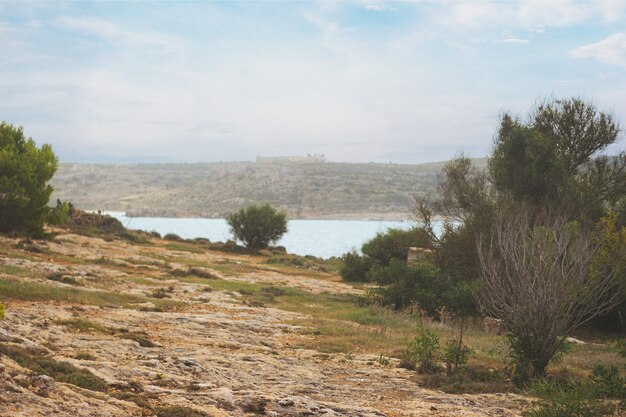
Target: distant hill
(305, 190)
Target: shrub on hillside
(355, 267)
(173, 237)
(61, 214)
(402, 285)
(257, 226)
(423, 350)
(385, 247)
(394, 244)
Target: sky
(357, 81)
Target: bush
(402, 285)
(257, 226)
(608, 383)
(24, 193)
(355, 267)
(455, 354)
(423, 350)
(172, 236)
(394, 244)
(559, 400)
(61, 214)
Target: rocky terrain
(170, 329)
(305, 190)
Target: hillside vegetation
(304, 190)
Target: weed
(383, 361)
(423, 350)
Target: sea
(319, 238)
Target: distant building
(309, 159)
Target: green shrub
(394, 244)
(257, 226)
(2, 311)
(561, 400)
(172, 236)
(423, 350)
(402, 285)
(61, 214)
(355, 267)
(608, 383)
(455, 354)
(24, 172)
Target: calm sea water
(321, 238)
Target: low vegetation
(39, 364)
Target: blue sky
(358, 81)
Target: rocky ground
(203, 350)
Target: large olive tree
(24, 173)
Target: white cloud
(527, 14)
(377, 6)
(148, 41)
(611, 50)
(516, 41)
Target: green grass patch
(184, 247)
(83, 325)
(70, 259)
(60, 371)
(31, 291)
(13, 270)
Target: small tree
(545, 276)
(257, 226)
(24, 173)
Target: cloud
(148, 41)
(611, 50)
(377, 6)
(516, 41)
(526, 14)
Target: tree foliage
(552, 160)
(257, 226)
(24, 173)
(550, 166)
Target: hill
(304, 189)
